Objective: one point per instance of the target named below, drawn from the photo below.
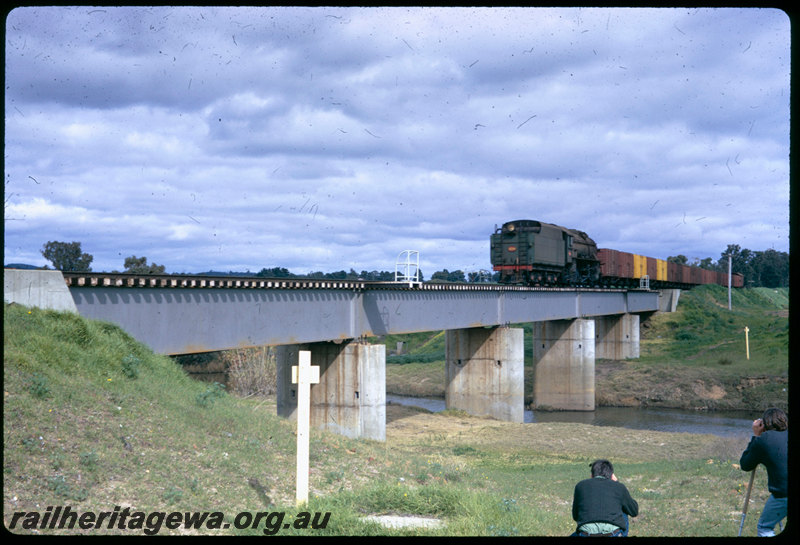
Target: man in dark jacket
(769, 446)
(601, 505)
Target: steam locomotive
(531, 252)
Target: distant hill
(20, 266)
(222, 273)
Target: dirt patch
(491, 437)
(621, 384)
(603, 368)
(715, 392)
(753, 382)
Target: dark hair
(775, 419)
(602, 468)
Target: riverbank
(696, 358)
(631, 384)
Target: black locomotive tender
(531, 252)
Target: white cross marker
(304, 375)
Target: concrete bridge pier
(350, 398)
(563, 360)
(617, 337)
(484, 372)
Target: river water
(722, 423)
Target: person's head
(775, 419)
(602, 468)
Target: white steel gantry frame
(408, 260)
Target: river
(722, 423)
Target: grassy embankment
(93, 420)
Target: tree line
(767, 268)
(68, 256)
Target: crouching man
(601, 505)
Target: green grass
(703, 328)
(93, 419)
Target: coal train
(535, 253)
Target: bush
(38, 386)
(251, 371)
(130, 366)
(211, 394)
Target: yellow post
(747, 341)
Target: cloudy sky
(336, 138)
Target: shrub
(130, 366)
(210, 394)
(38, 386)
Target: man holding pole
(769, 446)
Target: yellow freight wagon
(639, 266)
(661, 269)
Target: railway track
(128, 280)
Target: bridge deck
(188, 314)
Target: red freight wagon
(608, 262)
(686, 274)
(737, 280)
(673, 272)
(615, 264)
(652, 268)
(624, 265)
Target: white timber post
(304, 375)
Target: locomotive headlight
(510, 227)
(512, 248)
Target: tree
(705, 263)
(275, 272)
(771, 268)
(138, 265)
(741, 262)
(680, 259)
(448, 276)
(67, 256)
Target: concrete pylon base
(484, 373)
(563, 359)
(350, 398)
(617, 337)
